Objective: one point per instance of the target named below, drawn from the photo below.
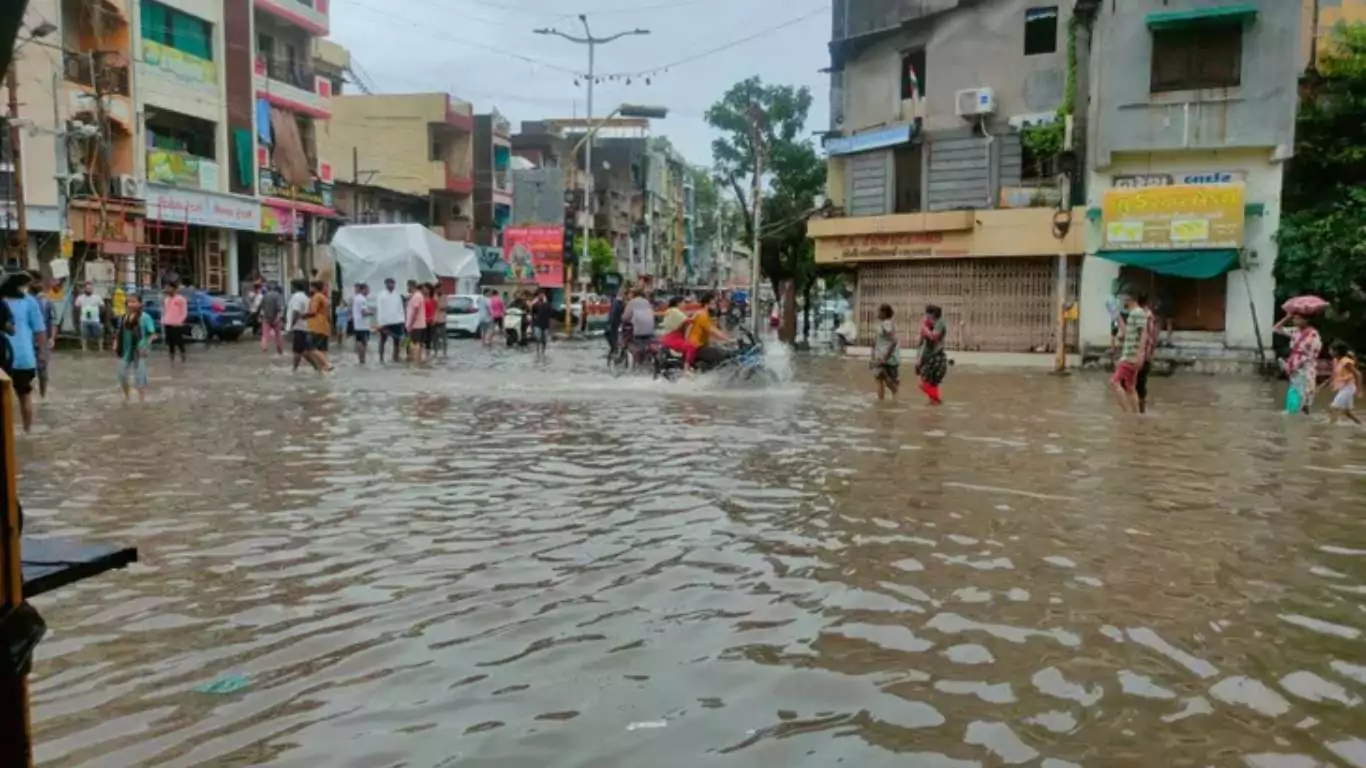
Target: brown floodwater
(492, 563)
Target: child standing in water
(886, 362)
(1346, 383)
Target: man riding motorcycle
(702, 332)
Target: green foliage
(602, 257)
(1046, 141)
(794, 175)
(1322, 239)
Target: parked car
(210, 315)
(462, 315)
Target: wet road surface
(491, 563)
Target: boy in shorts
(1132, 331)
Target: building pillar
(234, 283)
(1097, 282)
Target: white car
(462, 315)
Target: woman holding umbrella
(1301, 365)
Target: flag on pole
(913, 78)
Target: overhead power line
(436, 33)
(720, 48)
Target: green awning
(1197, 265)
(1245, 13)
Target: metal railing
(296, 75)
(81, 68)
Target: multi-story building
(418, 146)
(617, 190)
(293, 180)
(39, 75)
(1191, 120)
(938, 198)
(492, 178)
(106, 210)
(195, 212)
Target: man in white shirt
(296, 319)
(89, 304)
(390, 317)
(360, 319)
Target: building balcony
(451, 177)
(310, 15)
(296, 89)
(460, 114)
(182, 169)
(314, 198)
(79, 88)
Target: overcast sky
(478, 50)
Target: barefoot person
(1346, 384)
(1134, 330)
(319, 325)
(389, 316)
(1301, 366)
(886, 360)
(296, 319)
(272, 313)
(27, 342)
(361, 314)
(416, 321)
(175, 311)
(132, 341)
(932, 363)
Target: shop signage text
(1142, 180)
(1183, 216)
(280, 221)
(166, 166)
(203, 209)
(869, 140)
(316, 193)
(891, 247)
(179, 65)
(535, 253)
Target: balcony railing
(182, 169)
(311, 15)
(293, 87)
(296, 75)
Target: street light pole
(592, 43)
(755, 115)
(17, 163)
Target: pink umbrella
(1305, 305)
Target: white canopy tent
(372, 253)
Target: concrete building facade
(420, 145)
(937, 198)
(1191, 119)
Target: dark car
(210, 316)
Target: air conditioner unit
(976, 102)
(130, 187)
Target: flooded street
(491, 563)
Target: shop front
(1198, 243)
(994, 272)
(193, 236)
(278, 250)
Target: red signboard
(535, 253)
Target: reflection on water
(495, 564)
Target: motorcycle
(744, 362)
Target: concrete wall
(965, 48)
(390, 134)
(1263, 186)
(538, 196)
(1126, 117)
(35, 67)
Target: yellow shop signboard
(1180, 217)
(190, 70)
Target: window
(913, 74)
(1041, 30)
(175, 132)
(906, 165)
(1207, 56)
(176, 29)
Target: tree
(602, 257)
(794, 178)
(1322, 240)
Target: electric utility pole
(755, 115)
(592, 42)
(17, 164)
